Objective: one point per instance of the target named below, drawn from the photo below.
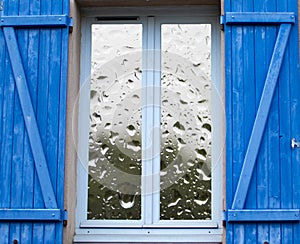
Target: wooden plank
(61, 154)
(272, 137)
(54, 60)
(47, 123)
(41, 115)
(30, 215)
(35, 21)
(14, 230)
(28, 165)
(229, 120)
(261, 67)
(7, 104)
(250, 111)
(238, 110)
(18, 148)
(294, 105)
(264, 215)
(29, 117)
(260, 17)
(286, 194)
(261, 117)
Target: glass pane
(115, 122)
(186, 122)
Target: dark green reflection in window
(186, 122)
(115, 123)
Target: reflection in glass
(115, 122)
(186, 122)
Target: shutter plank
(29, 117)
(43, 103)
(285, 134)
(62, 97)
(28, 166)
(6, 135)
(261, 66)
(261, 117)
(272, 140)
(294, 104)
(259, 17)
(250, 110)
(31, 215)
(16, 177)
(264, 215)
(53, 109)
(35, 21)
(38, 227)
(238, 109)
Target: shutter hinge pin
(65, 218)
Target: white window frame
(150, 228)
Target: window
(150, 126)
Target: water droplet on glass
(113, 137)
(178, 128)
(107, 126)
(126, 201)
(96, 117)
(104, 148)
(121, 158)
(131, 130)
(183, 102)
(134, 146)
(201, 154)
(172, 204)
(169, 149)
(107, 107)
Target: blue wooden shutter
(262, 117)
(33, 78)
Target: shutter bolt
(232, 17)
(292, 16)
(2, 20)
(59, 19)
(53, 215)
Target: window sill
(148, 235)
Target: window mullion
(148, 120)
(157, 123)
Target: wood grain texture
(273, 183)
(32, 101)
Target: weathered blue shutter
(262, 117)
(33, 78)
